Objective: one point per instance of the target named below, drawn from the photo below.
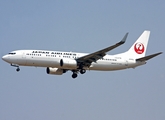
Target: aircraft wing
(148, 57)
(93, 57)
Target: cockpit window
(12, 53)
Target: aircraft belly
(107, 66)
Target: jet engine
(54, 71)
(68, 63)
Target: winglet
(124, 38)
(148, 57)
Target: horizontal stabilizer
(148, 57)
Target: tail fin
(139, 48)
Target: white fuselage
(43, 58)
(58, 62)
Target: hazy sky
(82, 26)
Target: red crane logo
(139, 48)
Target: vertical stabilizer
(139, 48)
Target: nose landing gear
(18, 69)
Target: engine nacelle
(54, 71)
(68, 63)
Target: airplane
(58, 62)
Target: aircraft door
(24, 55)
(126, 63)
(24, 58)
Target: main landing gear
(74, 75)
(82, 71)
(18, 69)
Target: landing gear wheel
(74, 75)
(82, 71)
(18, 69)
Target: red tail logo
(139, 48)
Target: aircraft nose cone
(5, 58)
